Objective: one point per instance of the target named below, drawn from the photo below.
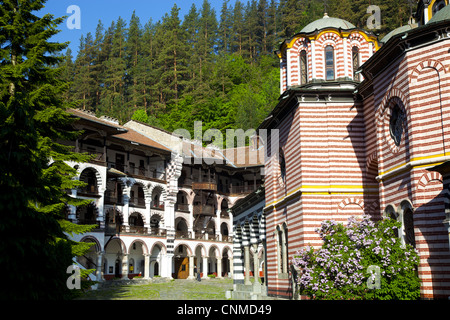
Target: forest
(215, 67)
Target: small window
(282, 165)
(329, 63)
(303, 67)
(355, 61)
(408, 222)
(437, 6)
(396, 124)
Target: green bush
(345, 267)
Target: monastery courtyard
(161, 289)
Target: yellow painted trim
(343, 34)
(309, 192)
(417, 159)
(430, 8)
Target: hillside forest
(215, 67)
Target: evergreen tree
(134, 57)
(224, 32)
(34, 251)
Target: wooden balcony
(206, 210)
(210, 186)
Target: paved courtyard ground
(208, 289)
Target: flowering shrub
(341, 269)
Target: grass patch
(213, 289)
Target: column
(247, 265)
(313, 59)
(219, 267)
(205, 267)
(99, 272)
(231, 267)
(126, 211)
(146, 266)
(125, 266)
(191, 268)
(256, 263)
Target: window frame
(329, 49)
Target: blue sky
(110, 10)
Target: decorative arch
(202, 249)
(348, 201)
(184, 244)
(159, 244)
(385, 118)
(89, 238)
(123, 247)
(144, 246)
(393, 93)
(430, 63)
(98, 176)
(113, 210)
(147, 193)
(428, 177)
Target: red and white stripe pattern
(418, 82)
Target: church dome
(441, 15)
(327, 22)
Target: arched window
(355, 62)
(329, 63)
(438, 5)
(396, 124)
(282, 165)
(303, 67)
(408, 222)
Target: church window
(329, 62)
(355, 61)
(438, 5)
(303, 67)
(282, 165)
(396, 124)
(408, 223)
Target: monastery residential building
(160, 203)
(364, 128)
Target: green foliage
(343, 267)
(35, 251)
(182, 70)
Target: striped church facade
(364, 142)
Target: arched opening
(87, 214)
(137, 196)
(136, 259)
(136, 223)
(113, 221)
(181, 229)
(156, 260)
(355, 62)
(303, 67)
(224, 232)
(182, 202)
(113, 259)
(329, 63)
(181, 262)
(89, 177)
(157, 201)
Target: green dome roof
(398, 31)
(327, 22)
(441, 15)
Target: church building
(362, 124)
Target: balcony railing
(182, 235)
(182, 207)
(139, 172)
(158, 207)
(137, 202)
(207, 210)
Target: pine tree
(224, 31)
(34, 251)
(134, 56)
